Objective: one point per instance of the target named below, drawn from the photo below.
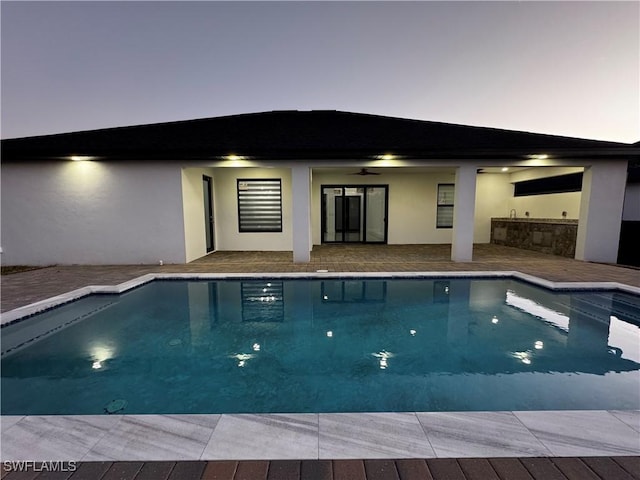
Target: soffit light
(234, 157)
(505, 169)
(385, 156)
(538, 156)
(80, 158)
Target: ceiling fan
(364, 171)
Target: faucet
(512, 213)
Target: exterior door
(354, 213)
(348, 217)
(207, 190)
(376, 214)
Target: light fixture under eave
(233, 157)
(538, 156)
(80, 158)
(504, 169)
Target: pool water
(331, 345)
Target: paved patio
(21, 289)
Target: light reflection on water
(328, 346)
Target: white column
(601, 203)
(464, 206)
(301, 213)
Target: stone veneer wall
(546, 235)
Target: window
(259, 205)
(262, 301)
(571, 182)
(444, 214)
(353, 291)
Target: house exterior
(289, 180)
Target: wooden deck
(563, 468)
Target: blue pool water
(332, 345)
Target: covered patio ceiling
(372, 168)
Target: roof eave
(9, 154)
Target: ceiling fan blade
(364, 171)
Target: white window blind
(259, 205)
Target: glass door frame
(209, 221)
(343, 186)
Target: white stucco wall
(301, 213)
(193, 211)
(412, 203)
(494, 193)
(603, 190)
(228, 236)
(94, 212)
(464, 214)
(136, 212)
(494, 198)
(545, 206)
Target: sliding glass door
(354, 213)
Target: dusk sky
(563, 68)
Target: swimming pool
(326, 345)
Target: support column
(464, 206)
(601, 203)
(301, 213)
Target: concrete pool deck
(321, 436)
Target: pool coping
(319, 435)
(567, 433)
(21, 313)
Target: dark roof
(309, 135)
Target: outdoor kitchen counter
(556, 236)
